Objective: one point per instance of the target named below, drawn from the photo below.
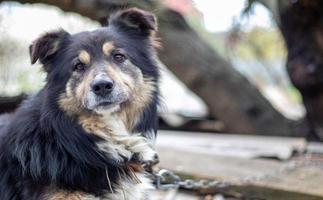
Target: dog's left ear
(141, 21)
(46, 45)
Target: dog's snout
(102, 87)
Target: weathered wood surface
(245, 146)
(198, 156)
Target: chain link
(165, 179)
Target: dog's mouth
(109, 102)
(106, 104)
(110, 107)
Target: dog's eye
(119, 58)
(79, 67)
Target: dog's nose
(102, 87)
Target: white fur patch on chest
(121, 145)
(115, 125)
(130, 190)
(126, 189)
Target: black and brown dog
(86, 134)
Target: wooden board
(202, 156)
(245, 146)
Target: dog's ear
(46, 45)
(141, 21)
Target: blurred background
(241, 87)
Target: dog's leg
(107, 131)
(118, 151)
(138, 146)
(143, 151)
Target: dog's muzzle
(104, 93)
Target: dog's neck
(103, 124)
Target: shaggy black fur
(43, 146)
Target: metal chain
(165, 179)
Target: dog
(88, 133)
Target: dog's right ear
(141, 21)
(46, 45)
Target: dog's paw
(123, 156)
(146, 157)
(119, 153)
(149, 156)
(144, 153)
(148, 162)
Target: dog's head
(105, 69)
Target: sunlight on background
(258, 51)
(220, 18)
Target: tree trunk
(301, 23)
(229, 96)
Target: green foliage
(256, 43)
(260, 43)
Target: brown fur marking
(94, 124)
(84, 86)
(107, 48)
(131, 110)
(119, 77)
(68, 102)
(84, 57)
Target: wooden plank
(215, 167)
(194, 155)
(245, 146)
